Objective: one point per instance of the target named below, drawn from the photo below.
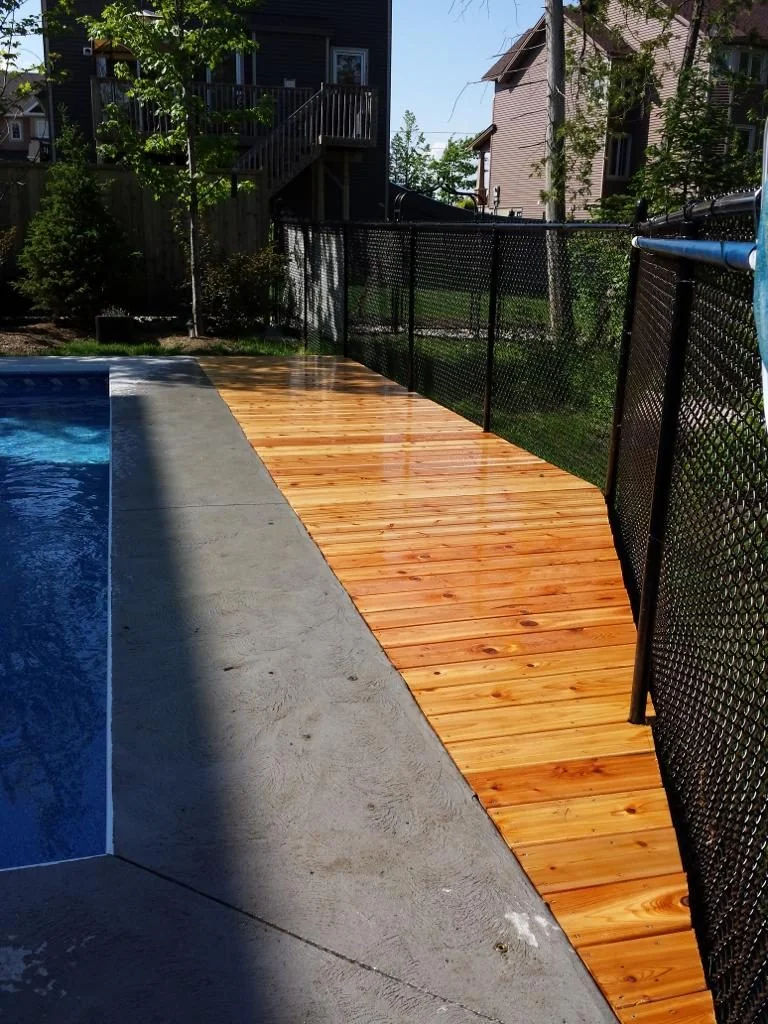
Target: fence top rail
(737, 204)
(731, 255)
(454, 226)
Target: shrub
(6, 251)
(74, 252)
(237, 288)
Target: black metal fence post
(411, 308)
(345, 286)
(493, 291)
(621, 380)
(306, 286)
(670, 414)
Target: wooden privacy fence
(239, 224)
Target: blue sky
(439, 49)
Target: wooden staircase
(338, 116)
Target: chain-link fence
(525, 329)
(435, 307)
(692, 466)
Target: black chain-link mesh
(560, 304)
(710, 652)
(644, 396)
(560, 316)
(378, 300)
(451, 318)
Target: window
(15, 131)
(349, 67)
(39, 127)
(231, 71)
(618, 156)
(746, 137)
(749, 64)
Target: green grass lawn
(449, 308)
(554, 402)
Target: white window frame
(750, 130)
(239, 70)
(757, 72)
(623, 172)
(15, 135)
(352, 51)
(40, 128)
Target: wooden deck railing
(336, 115)
(219, 98)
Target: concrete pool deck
(292, 842)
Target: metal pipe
(345, 298)
(306, 286)
(513, 226)
(411, 308)
(493, 293)
(670, 416)
(733, 255)
(724, 206)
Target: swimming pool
(54, 617)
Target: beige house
(511, 147)
(24, 131)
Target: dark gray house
(325, 64)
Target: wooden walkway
(491, 581)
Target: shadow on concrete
(292, 842)
(108, 939)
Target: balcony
(340, 115)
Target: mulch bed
(41, 338)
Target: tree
(611, 86)
(689, 160)
(410, 161)
(74, 252)
(454, 170)
(182, 149)
(16, 26)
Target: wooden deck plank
(502, 670)
(444, 609)
(490, 578)
(606, 815)
(691, 1008)
(642, 970)
(482, 723)
(441, 700)
(600, 860)
(628, 909)
(468, 627)
(565, 779)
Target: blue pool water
(54, 536)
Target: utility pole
(554, 177)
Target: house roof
(751, 22)
(534, 39)
(510, 60)
(11, 87)
(485, 136)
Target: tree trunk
(554, 164)
(194, 230)
(554, 180)
(692, 39)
